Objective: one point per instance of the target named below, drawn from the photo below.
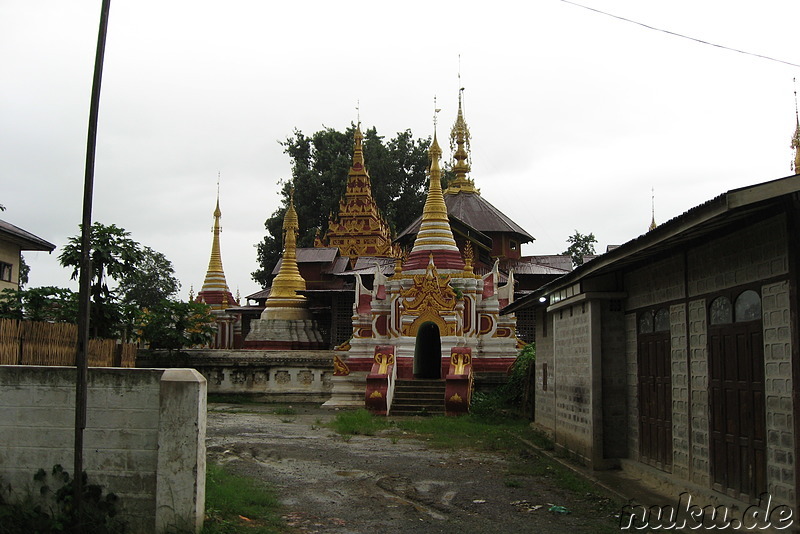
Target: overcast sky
(574, 115)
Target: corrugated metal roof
(312, 255)
(696, 223)
(24, 239)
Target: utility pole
(81, 358)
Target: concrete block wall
(679, 361)
(699, 410)
(144, 439)
(572, 342)
(614, 380)
(545, 398)
(632, 376)
(778, 387)
(756, 252)
(660, 281)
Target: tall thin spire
(460, 147)
(796, 138)
(215, 290)
(435, 237)
(652, 209)
(288, 281)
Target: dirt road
(390, 484)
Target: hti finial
(652, 208)
(436, 111)
(358, 112)
(796, 137)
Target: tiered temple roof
(359, 229)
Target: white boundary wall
(144, 439)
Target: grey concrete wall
(276, 376)
(545, 398)
(754, 253)
(679, 363)
(144, 439)
(776, 312)
(575, 424)
(615, 380)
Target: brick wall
(775, 307)
(144, 438)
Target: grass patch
(467, 431)
(236, 504)
(359, 422)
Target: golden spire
(796, 137)
(435, 235)
(460, 146)
(215, 290)
(652, 209)
(288, 281)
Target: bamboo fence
(36, 343)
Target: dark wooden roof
(327, 255)
(476, 212)
(23, 239)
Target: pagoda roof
(317, 255)
(475, 211)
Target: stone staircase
(418, 397)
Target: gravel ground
(387, 483)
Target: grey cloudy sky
(575, 116)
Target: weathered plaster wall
(9, 253)
(288, 375)
(144, 439)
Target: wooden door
(736, 399)
(655, 400)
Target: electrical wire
(701, 41)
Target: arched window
(747, 306)
(721, 311)
(646, 322)
(662, 320)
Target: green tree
(24, 271)
(48, 303)
(152, 281)
(320, 164)
(580, 245)
(174, 325)
(143, 276)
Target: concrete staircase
(418, 397)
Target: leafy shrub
(54, 510)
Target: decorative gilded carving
(339, 367)
(384, 360)
(460, 360)
(429, 299)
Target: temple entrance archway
(428, 352)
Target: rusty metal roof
(22, 238)
(314, 255)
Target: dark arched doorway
(428, 352)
